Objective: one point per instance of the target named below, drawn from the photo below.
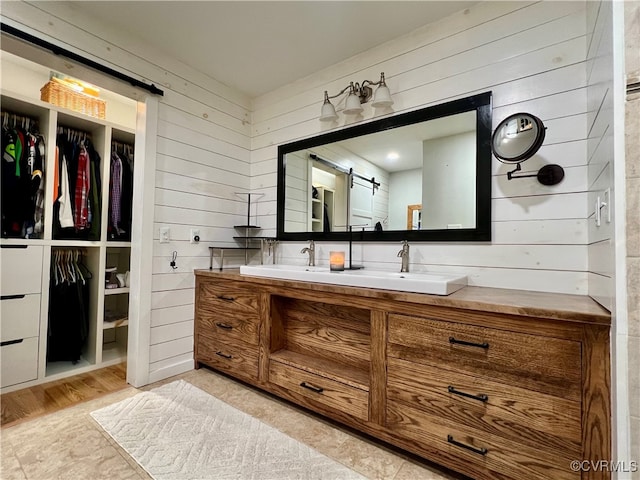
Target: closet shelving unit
(248, 242)
(317, 214)
(106, 343)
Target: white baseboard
(171, 370)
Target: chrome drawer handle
(224, 326)
(453, 340)
(10, 342)
(224, 355)
(312, 387)
(481, 451)
(481, 396)
(11, 297)
(225, 298)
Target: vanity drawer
(482, 455)
(21, 269)
(319, 389)
(232, 356)
(232, 298)
(18, 361)
(19, 316)
(540, 421)
(534, 362)
(218, 324)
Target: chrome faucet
(404, 254)
(311, 250)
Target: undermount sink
(433, 283)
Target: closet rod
(78, 58)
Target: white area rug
(179, 432)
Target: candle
(336, 261)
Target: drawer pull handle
(453, 340)
(225, 298)
(312, 387)
(224, 355)
(13, 246)
(10, 342)
(481, 396)
(11, 297)
(481, 451)
(224, 326)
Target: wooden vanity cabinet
(494, 391)
(227, 327)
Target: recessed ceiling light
(393, 156)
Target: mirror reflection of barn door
(361, 203)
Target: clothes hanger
(55, 270)
(70, 266)
(61, 273)
(76, 255)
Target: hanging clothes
(82, 212)
(78, 189)
(23, 160)
(65, 213)
(120, 192)
(68, 306)
(115, 192)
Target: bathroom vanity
(491, 383)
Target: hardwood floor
(46, 398)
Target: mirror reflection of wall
(448, 181)
(297, 193)
(405, 188)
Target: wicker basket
(58, 94)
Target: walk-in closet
(67, 190)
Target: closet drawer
(535, 362)
(19, 317)
(21, 269)
(19, 362)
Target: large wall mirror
(423, 175)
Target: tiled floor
(69, 444)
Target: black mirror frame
(482, 232)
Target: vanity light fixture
(359, 93)
(516, 139)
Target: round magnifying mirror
(517, 137)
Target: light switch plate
(165, 235)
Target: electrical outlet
(165, 235)
(195, 235)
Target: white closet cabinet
(318, 216)
(25, 265)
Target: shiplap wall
(532, 56)
(203, 158)
(600, 152)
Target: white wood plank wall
(600, 151)
(532, 56)
(203, 158)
